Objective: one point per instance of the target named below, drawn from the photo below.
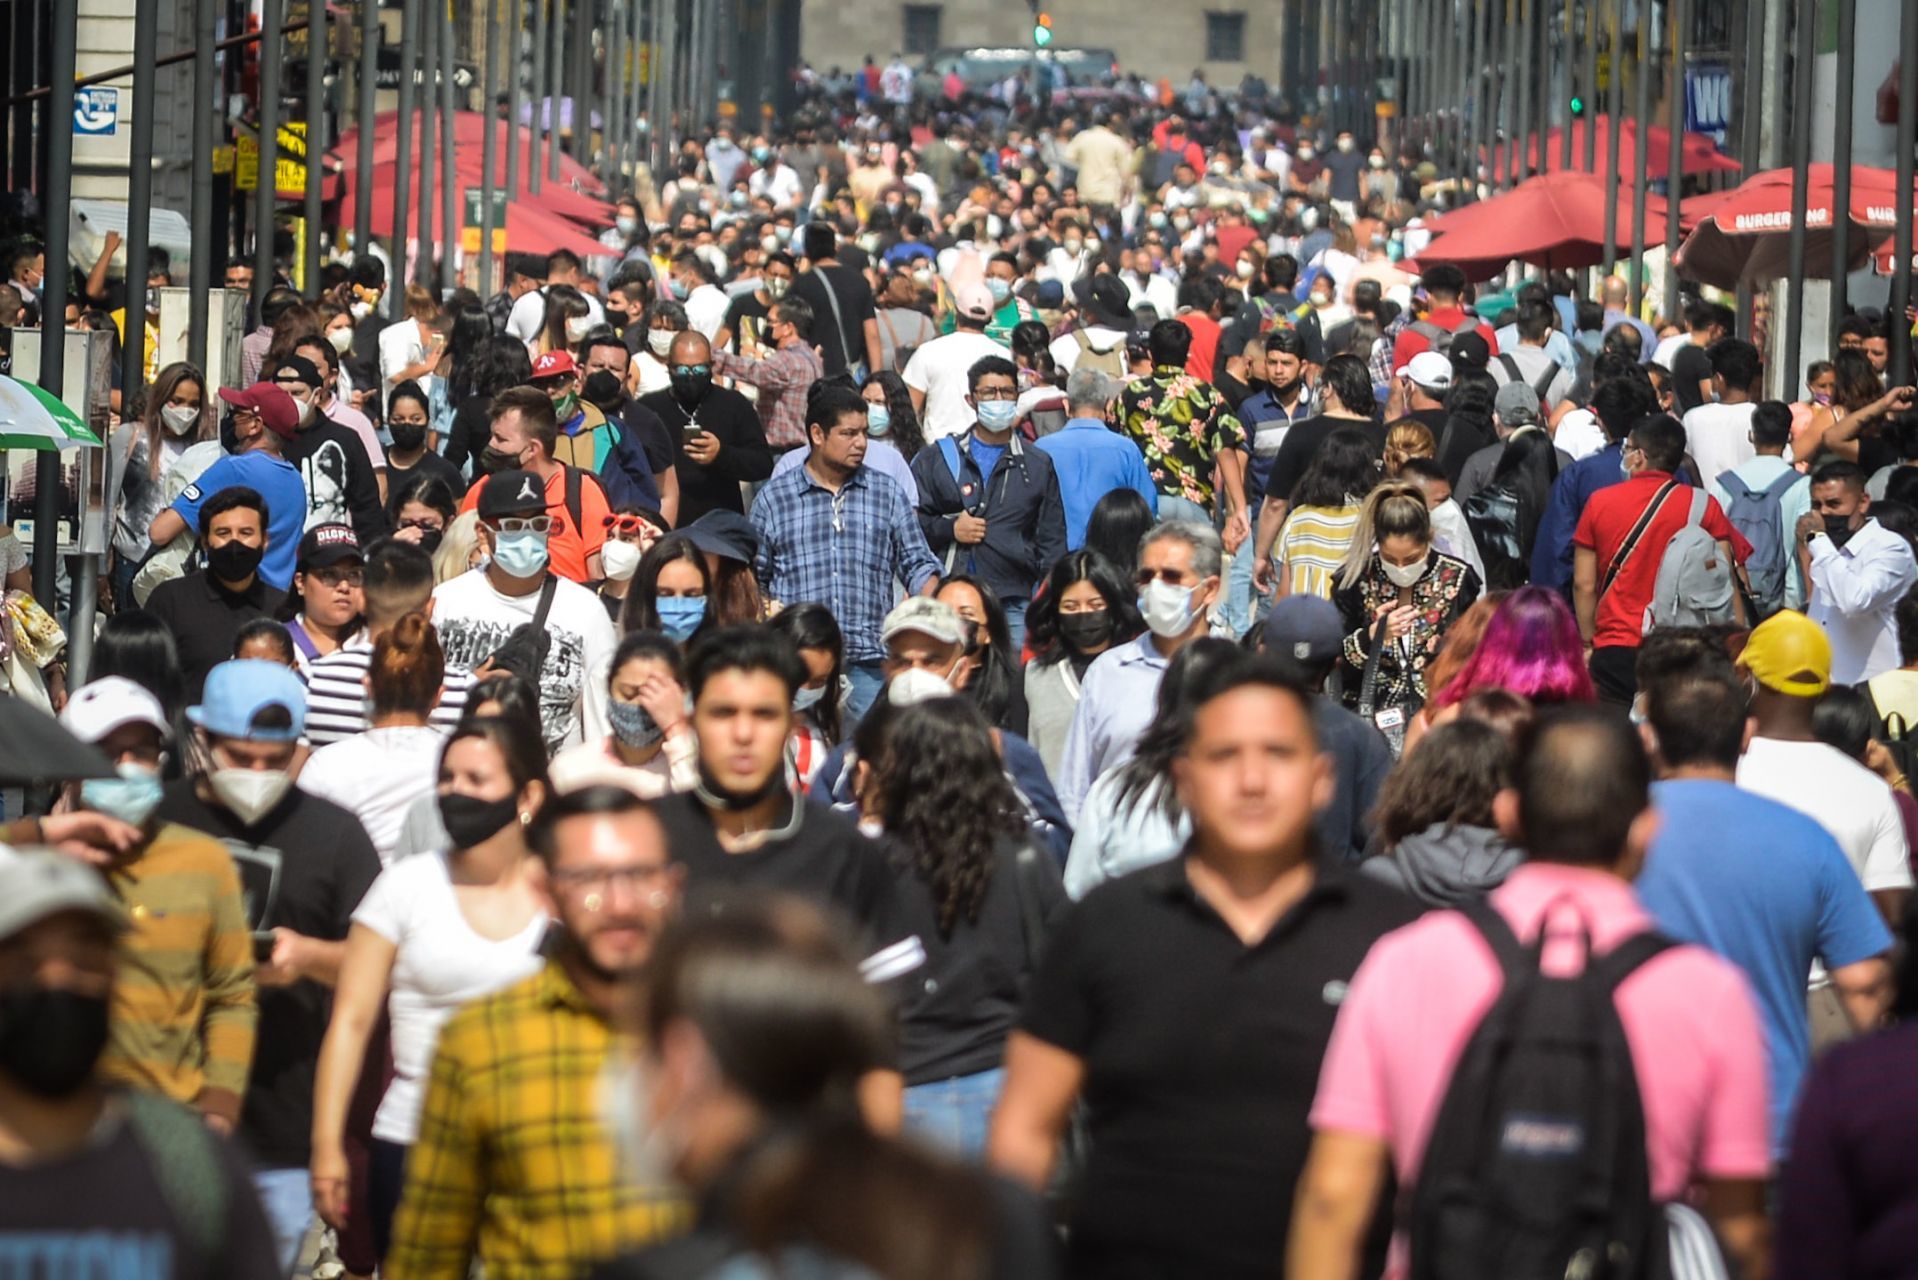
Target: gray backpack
(1695, 586)
(1759, 515)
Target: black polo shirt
(1202, 1057)
(204, 618)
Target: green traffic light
(1578, 106)
(1042, 36)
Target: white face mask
(626, 225)
(361, 310)
(1073, 244)
(341, 340)
(1244, 269)
(1167, 609)
(769, 244)
(916, 685)
(660, 341)
(1405, 575)
(620, 559)
(250, 793)
(178, 419)
(1345, 144)
(577, 328)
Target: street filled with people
(982, 693)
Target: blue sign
(96, 112)
(1708, 99)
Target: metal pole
(266, 196)
(1907, 139)
(612, 98)
(370, 39)
(1748, 36)
(429, 139)
(1527, 43)
(1591, 79)
(200, 266)
(403, 173)
(1642, 155)
(489, 102)
(1508, 97)
(1568, 60)
(58, 200)
(515, 40)
(583, 95)
(542, 99)
(1681, 15)
(1841, 169)
(1805, 23)
(316, 59)
(556, 87)
(1614, 128)
(21, 77)
(146, 37)
(449, 155)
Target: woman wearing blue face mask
(817, 707)
(652, 750)
(670, 592)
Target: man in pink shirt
(1582, 807)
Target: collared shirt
(843, 550)
(1552, 551)
(1266, 422)
(515, 1166)
(783, 378)
(1091, 460)
(205, 617)
(1116, 699)
(1181, 425)
(1855, 590)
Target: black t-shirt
(1690, 366)
(637, 420)
(466, 438)
(1342, 170)
(816, 853)
(340, 485)
(1202, 1057)
(305, 866)
(109, 1210)
(748, 313)
(855, 308)
(1302, 445)
(743, 452)
(205, 617)
(430, 466)
(1457, 438)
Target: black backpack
(1536, 1167)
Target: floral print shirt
(1181, 424)
(1448, 588)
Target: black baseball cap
(512, 493)
(326, 544)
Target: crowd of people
(980, 695)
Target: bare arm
(1891, 905)
(1736, 1210)
(165, 527)
(97, 278)
(918, 402)
(1842, 436)
(1042, 1080)
(364, 975)
(882, 1100)
(1337, 1194)
(871, 327)
(1585, 591)
(668, 481)
(1864, 989)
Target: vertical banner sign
(1708, 98)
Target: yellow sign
(470, 240)
(289, 163)
(246, 163)
(222, 161)
(1385, 110)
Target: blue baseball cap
(238, 691)
(1304, 629)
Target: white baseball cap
(97, 709)
(1430, 370)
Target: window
(922, 29)
(1225, 37)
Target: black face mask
(602, 390)
(1086, 630)
(229, 435)
(1284, 390)
(492, 460)
(721, 797)
(430, 540)
(50, 1039)
(407, 436)
(691, 390)
(1839, 530)
(470, 821)
(233, 561)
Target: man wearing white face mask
(304, 864)
(1179, 580)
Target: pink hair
(1531, 647)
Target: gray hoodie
(1446, 866)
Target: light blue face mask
(999, 289)
(680, 616)
(521, 554)
(806, 698)
(878, 419)
(998, 415)
(132, 797)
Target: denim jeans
(955, 1114)
(286, 1195)
(1175, 508)
(1241, 601)
(868, 680)
(1015, 607)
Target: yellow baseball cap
(1790, 654)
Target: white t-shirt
(441, 964)
(1847, 799)
(1718, 436)
(1578, 434)
(938, 368)
(528, 315)
(474, 620)
(1667, 348)
(376, 776)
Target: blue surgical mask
(806, 698)
(521, 554)
(878, 419)
(998, 415)
(999, 289)
(132, 797)
(680, 616)
(633, 725)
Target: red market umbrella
(1555, 220)
(1746, 235)
(468, 126)
(1698, 154)
(550, 199)
(529, 228)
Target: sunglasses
(630, 524)
(690, 370)
(525, 524)
(1171, 577)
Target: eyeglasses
(1171, 577)
(333, 576)
(525, 524)
(424, 525)
(690, 370)
(984, 394)
(599, 879)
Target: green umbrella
(32, 419)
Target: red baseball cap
(277, 409)
(553, 364)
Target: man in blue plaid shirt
(840, 533)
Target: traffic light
(1578, 106)
(1042, 30)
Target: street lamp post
(1803, 80)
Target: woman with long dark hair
(1114, 529)
(671, 592)
(1504, 515)
(651, 751)
(818, 706)
(499, 363)
(890, 420)
(968, 881)
(1084, 609)
(568, 317)
(1324, 515)
(1435, 832)
(995, 686)
(469, 333)
(1131, 817)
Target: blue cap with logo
(238, 691)
(1304, 629)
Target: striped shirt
(336, 695)
(183, 1014)
(1312, 546)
